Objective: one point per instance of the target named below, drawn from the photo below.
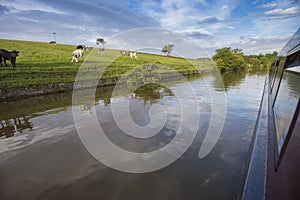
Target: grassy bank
(42, 64)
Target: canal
(42, 156)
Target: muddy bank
(40, 90)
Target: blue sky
(255, 26)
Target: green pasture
(41, 64)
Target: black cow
(8, 55)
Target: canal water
(42, 156)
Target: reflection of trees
(106, 100)
(9, 127)
(144, 79)
(292, 81)
(292, 76)
(151, 92)
(258, 71)
(229, 79)
(86, 109)
(104, 94)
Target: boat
(273, 170)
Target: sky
(259, 26)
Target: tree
(254, 62)
(258, 61)
(101, 41)
(238, 62)
(227, 60)
(167, 49)
(54, 35)
(237, 51)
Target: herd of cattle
(78, 53)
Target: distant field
(42, 64)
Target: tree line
(228, 59)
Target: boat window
(286, 104)
(273, 71)
(293, 60)
(277, 76)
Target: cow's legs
(13, 62)
(74, 58)
(5, 62)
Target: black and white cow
(80, 47)
(8, 55)
(133, 54)
(77, 54)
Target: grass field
(41, 64)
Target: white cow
(78, 53)
(133, 54)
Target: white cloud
(170, 13)
(210, 23)
(214, 26)
(209, 20)
(282, 12)
(20, 5)
(253, 44)
(181, 15)
(268, 5)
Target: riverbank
(47, 69)
(40, 90)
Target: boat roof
(292, 46)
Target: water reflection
(15, 116)
(50, 161)
(9, 127)
(285, 105)
(151, 93)
(229, 79)
(258, 71)
(233, 79)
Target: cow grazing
(133, 54)
(8, 55)
(87, 48)
(123, 52)
(52, 42)
(84, 47)
(78, 53)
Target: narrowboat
(274, 162)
